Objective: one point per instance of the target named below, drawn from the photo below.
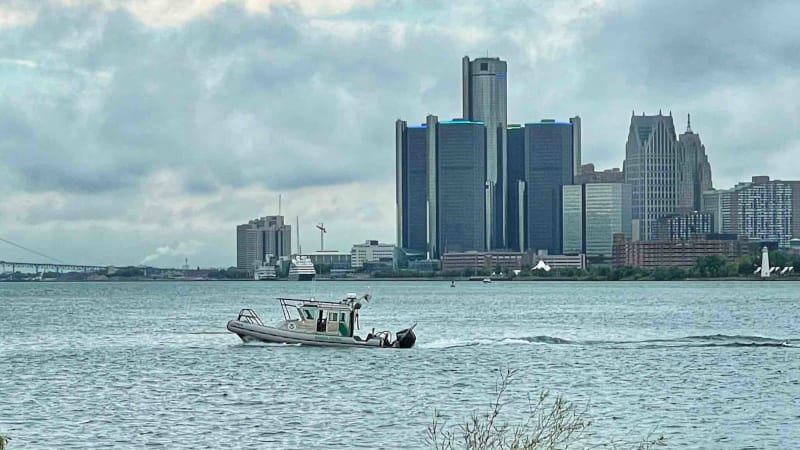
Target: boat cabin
(313, 316)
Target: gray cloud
(94, 103)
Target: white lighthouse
(765, 262)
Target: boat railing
(249, 316)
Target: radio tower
(322, 231)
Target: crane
(322, 231)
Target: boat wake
(715, 340)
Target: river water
(134, 365)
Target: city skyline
(112, 157)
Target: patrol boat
(318, 323)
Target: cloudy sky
(145, 130)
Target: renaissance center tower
(484, 100)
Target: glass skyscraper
(461, 189)
(548, 166)
(592, 214)
(484, 99)
(516, 188)
(411, 148)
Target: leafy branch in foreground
(4, 441)
(549, 425)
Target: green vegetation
(4, 441)
(548, 425)
(128, 272)
(231, 273)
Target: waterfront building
(261, 240)
(548, 165)
(371, 251)
(721, 204)
(461, 189)
(557, 261)
(411, 149)
(693, 171)
(588, 174)
(484, 99)
(650, 168)
(654, 254)
(592, 214)
(333, 258)
(472, 260)
(681, 227)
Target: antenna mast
(279, 204)
(299, 249)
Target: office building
(484, 99)
(576, 144)
(262, 240)
(515, 207)
(588, 174)
(548, 165)
(650, 169)
(592, 214)
(693, 171)
(371, 252)
(461, 189)
(721, 204)
(411, 149)
(681, 227)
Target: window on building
(484, 66)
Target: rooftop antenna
(688, 123)
(322, 231)
(279, 204)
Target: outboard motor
(405, 338)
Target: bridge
(57, 266)
(51, 267)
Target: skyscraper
(694, 171)
(721, 204)
(768, 210)
(261, 239)
(548, 166)
(485, 100)
(576, 144)
(411, 147)
(515, 207)
(461, 188)
(592, 214)
(651, 169)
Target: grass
(556, 424)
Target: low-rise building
(333, 258)
(474, 260)
(664, 253)
(371, 252)
(558, 261)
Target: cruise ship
(301, 269)
(265, 272)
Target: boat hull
(301, 277)
(250, 332)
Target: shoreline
(415, 279)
